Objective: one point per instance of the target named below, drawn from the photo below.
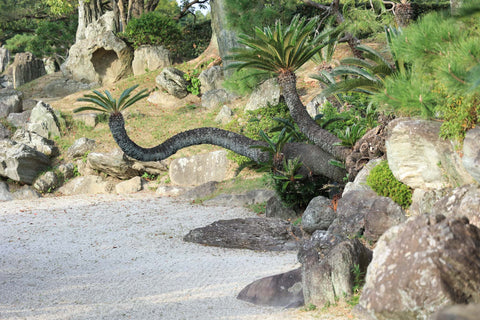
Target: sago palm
(282, 50)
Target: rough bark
(314, 159)
(87, 13)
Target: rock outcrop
(149, 58)
(26, 68)
(172, 81)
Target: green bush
(152, 28)
(242, 82)
(382, 181)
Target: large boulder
(199, 169)
(263, 234)
(241, 200)
(211, 79)
(36, 141)
(47, 182)
(19, 120)
(87, 185)
(365, 213)
(129, 186)
(10, 102)
(459, 312)
(44, 121)
(172, 81)
(4, 58)
(274, 208)
(20, 162)
(215, 98)
(26, 68)
(101, 57)
(81, 147)
(419, 158)
(318, 215)
(63, 87)
(281, 290)
(268, 93)
(149, 58)
(5, 194)
(471, 153)
(422, 266)
(114, 164)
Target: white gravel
(122, 257)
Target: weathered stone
(50, 65)
(4, 58)
(420, 267)
(281, 290)
(224, 116)
(130, 186)
(44, 121)
(19, 120)
(25, 193)
(63, 87)
(424, 200)
(419, 158)
(201, 191)
(67, 170)
(10, 102)
(150, 167)
(275, 209)
(264, 234)
(172, 81)
(29, 104)
(21, 163)
(87, 185)
(211, 79)
(36, 141)
(4, 132)
(170, 191)
(318, 215)
(115, 164)
(360, 182)
(100, 57)
(84, 169)
(149, 58)
(199, 169)
(214, 98)
(226, 37)
(26, 68)
(314, 106)
(46, 182)
(328, 276)
(88, 119)
(458, 312)
(5, 194)
(81, 147)
(321, 242)
(268, 93)
(471, 153)
(240, 200)
(463, 201)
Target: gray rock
(281, 290)
(268, 93)
(360, 182)
(201, 191)
(4, 132)
(67, 170)
(422, 266)
(5, 194)
(314, 106)
(98, 56)
(88, 119)
(10, 102)
(44, 121)
(26, 193)
(275, 209)
(199, 169)
(424, 200)
(29, 104)
(4, 58)
(87, 185)
(419, 158)
(172, 81)
(63, 87)
(171, 191)
(81, 147)
(50, 65)
(264, 234)
(130, 186)
(36, 141)
(114, 164)
(19, 120)
(328, 275)
(224, 116)
(471, 153)
(240, 200)
(150, 167)
(365, 213)
(149, 58)
(211, 79)
(460, 202)
(26, 68)
(47, 182)
(84, 169)
(458, 312)
(318, 215)
(321, 242)
(216, 97)
(21, 163)
(222, 30)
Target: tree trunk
(455, 6)
(87, 13)
(314, 160)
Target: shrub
(152, 29)
(382, 181)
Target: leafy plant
(351, 135)
(384, 183)
(193, 82)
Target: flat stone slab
(262, 234)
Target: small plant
(351, 135)
(257, 208)
(193, 82)
(310, 307)
(149, 177)
(383, 182)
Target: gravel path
(122, 257)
